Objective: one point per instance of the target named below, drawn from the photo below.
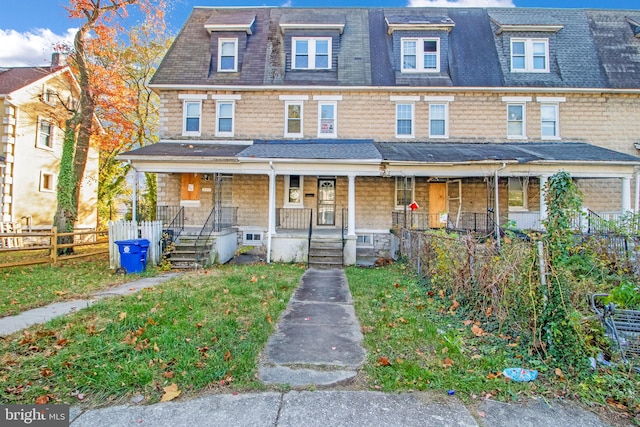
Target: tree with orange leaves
(100, 88)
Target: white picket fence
(127, 230)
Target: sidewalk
(11, 324)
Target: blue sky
(28, 28)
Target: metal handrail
(344, 240)
(207, 229)
(309, 238)
(172, 232)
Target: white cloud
(461, 3)
(30, 48)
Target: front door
(326, 201)
(437, 204)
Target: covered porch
(276, 194)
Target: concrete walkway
(317, 339)
(11, 324)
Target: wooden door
(190, 189)
(437, 204)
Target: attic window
(231, 23)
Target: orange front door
(437, 204)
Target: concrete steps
(326, 252)
(186, 255)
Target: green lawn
(24, 288)
(198, 331)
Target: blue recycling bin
(133, 254)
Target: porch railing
(292, 219)
(476, 222)
(166, 214)
(171, 232)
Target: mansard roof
(588, 48)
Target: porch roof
(331, 149)
(525, 152)
(368, 150)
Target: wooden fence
(16, 248)
(127, 230)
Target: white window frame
(523, 134)
(221, 41)
(420, 66)
(556, 120)
(446, 119)
(287, 188)
(219, 103)
(333, 134)
(311, 47)
(413, 119)
(529, 55)
(49, 96)
(39, 138)
(524, 184)
(400, 180)
(364, 240)
(52, 178)
(288, 134)
(186, 132)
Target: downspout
(272, 180)
(636, 205)
(497, 201)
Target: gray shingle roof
(313, 149)
(520, 152)
(355, 150)
(593, 49)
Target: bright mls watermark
(34, 415)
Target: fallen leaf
(447, 363)
(46, 372)
(467, 322)
(123, 315)
(170, 392)
(482, 414)
(612, 402)
(155, 347)
(254, 279)
(489, 312)
(227, 356)
(43, 400)
(441, 293)
(477, 330)
(455, 305)
(384, 361)
(60, 293)
(168, 374)
(559, 374)
(269, 318)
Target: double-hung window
(404, 191)
(311, 53)
(518, 193)
(45, 134)
(549, 121)
(404, 121)
(224, 118)
(516, 121)
(420, 55)
(529, 55)
(293, 125)
(293, 191)
(227, 55)
(191, 113)
(327, 127)
(438, 120)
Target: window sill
(191, 133)
(44, 147)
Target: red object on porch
(413, 206)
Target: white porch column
(543, 197)
(272, 210)
(626, 194)
(351, 222)
(636, 207)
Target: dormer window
(529, 55)
(420, 55)
(311, 53)
(228, 55)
